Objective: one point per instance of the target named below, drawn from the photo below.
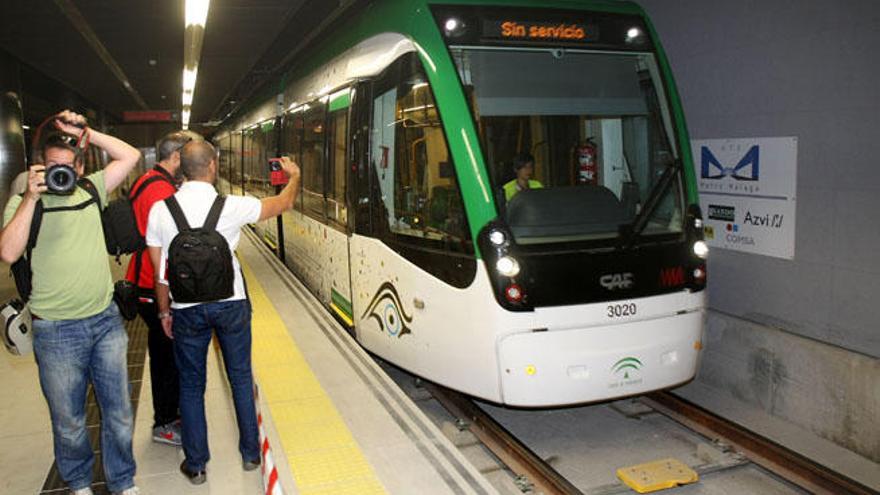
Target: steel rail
(513, 453)
(779, 460)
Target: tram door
(359, 190)
(336, 185)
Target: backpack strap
(214, 214)
(177, 213)
(146, 182)
(89, 186)
(36, 222)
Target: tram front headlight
(701, 249)
(497, 238)
(453, 27)
(507, 266)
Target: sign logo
(388, 312)
(626, 366)
(723, 213)
(747, 168)
(616, 281)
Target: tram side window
(313, 159)
(235, 165)
(259, 169)
(249, 147)
(223, 165)
(292, 143)
(337, 135)
(269, 149)
(409, 154)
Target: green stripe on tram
(341, 302)
(341, 101)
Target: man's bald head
(195, 160)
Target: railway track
(537, 475)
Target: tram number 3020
(621, 310)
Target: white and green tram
(585, 284)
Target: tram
(415, 124)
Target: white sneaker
(82, 491)
(129, 491)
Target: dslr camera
(61, 179)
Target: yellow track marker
(321, 451)
(657, 475)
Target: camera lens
(61, 179)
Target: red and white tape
(271, 485)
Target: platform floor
(335, 422)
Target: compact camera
(277, 177)
(61, 179)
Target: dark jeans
(70, 354)
(163, 370)
(192, 335)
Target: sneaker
(83, 491)
(169, 434)
(194, 477)
(251, 465)
(129, 491)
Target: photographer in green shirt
(78, 332)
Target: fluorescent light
(26, 127)
(189, 78)
(187, 98)
(197, 12)
(184, 117)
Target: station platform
(334, 422)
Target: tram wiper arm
(630, 232)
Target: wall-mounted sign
(146, 116)
(748, 190)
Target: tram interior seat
(564, 212)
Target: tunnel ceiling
(246, 41)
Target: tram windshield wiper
(630, 232)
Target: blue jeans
(69, 354)
(231, 320)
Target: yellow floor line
(320, 449)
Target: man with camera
(78, 333)
(156, 185)
(191, 237)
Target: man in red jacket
(156, 185)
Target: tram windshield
(580, 145)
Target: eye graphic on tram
(388, 312)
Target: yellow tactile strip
(320, 449)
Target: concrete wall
(798, 338)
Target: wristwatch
(164, 314)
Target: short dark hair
(58, 140)
(171, 142)
(521, 160)
(195, 156)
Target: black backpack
(121, 234)
(199, 260)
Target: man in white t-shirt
(192, 324)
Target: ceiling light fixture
(193, 35)
(197, 12)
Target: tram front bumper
(561, 367)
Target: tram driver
(524, 168)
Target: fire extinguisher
(585, 157)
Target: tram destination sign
(540, 31)
(747, 192)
